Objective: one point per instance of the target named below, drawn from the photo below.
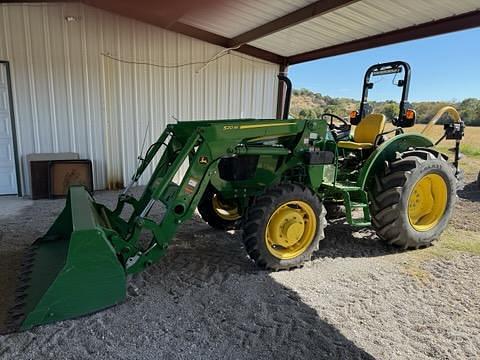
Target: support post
(283, 70)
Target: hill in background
(310, 105)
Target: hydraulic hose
(446, 109)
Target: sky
(445, 67)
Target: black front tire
(257, 219)
(391, 199)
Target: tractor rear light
(410, 114)
(354, 117)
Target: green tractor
(269, 178)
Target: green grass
(470, 150)
(465, 149)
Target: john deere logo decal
(203, 160)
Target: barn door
(8, 176)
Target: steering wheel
(332, 126)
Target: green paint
(387, 151)
(75, 268)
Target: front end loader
(270, 178)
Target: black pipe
(288, 95)
(457, 157)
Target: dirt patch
(467, 210)
(206, 299)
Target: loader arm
(204, 146)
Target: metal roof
(294, 31)
(234, 17)
(359, 20)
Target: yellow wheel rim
(290, 230)
(225, 210)
(427, 202)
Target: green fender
(386, 152)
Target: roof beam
(437, 27)
(224, 42)
(298, 16)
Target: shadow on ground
(205, 299)
(470, 192)
(345, 241)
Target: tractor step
(358, 205)
(360, 223)
(361, 202)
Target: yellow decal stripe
(264, 125)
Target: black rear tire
(390, 201)
(259, 215)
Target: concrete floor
(11, 205)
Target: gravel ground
(205, 299)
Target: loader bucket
(71, 271)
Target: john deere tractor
(268, 178)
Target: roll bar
(384, 69)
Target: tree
(470, 110)
(307, 114)
(309, 105)
(391, 111)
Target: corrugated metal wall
(68, 97)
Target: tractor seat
(365, 133)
